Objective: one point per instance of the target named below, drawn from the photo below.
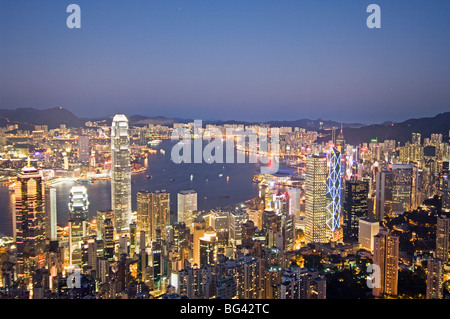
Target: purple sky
(228, 59)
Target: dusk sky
(251, 60)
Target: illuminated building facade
(187, 204)
(29, 223)
(442, 237)
(316, 199)
(435, 279)
(386, 256)
(355, 208)
(78, 214)
(334, 186)
(120, 173)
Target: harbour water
(217, 185)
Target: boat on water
(154, 142)
(224, 196)
(220, 175)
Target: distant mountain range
(355, 133)
(27, 118)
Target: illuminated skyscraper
(29, 232)
(78, 214)
(340, 141)
(355, 208)
(208, 247)
(316, 199)
(103, 215)
(394, 191)
(83, 148)
(143, 214)
(334, 186)
(153, 213)
(435, 279)
(50, 213)
(120, 173)
(294, 201)
(386, 255)
(187, 204)
(442, 237)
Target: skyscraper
(316, 199)
(143, 214)
(294, 201)
(435, 279)
(442, 237)
(29, 232)
(50, 213)
(334, 185)
(120, 173)
(153, 213)
(394, 191)
(78, 214)
(187, 204)
(386, 254)
(83, 149)
(355, 207)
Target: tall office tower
(236, 219)
(442, 237)
(288, 232)
(334, 187)
(187, 204)
(355, 207)
(199, 231)
(133, 240)
(394, 191)
(340, 141)
(108, 239)
(120, 173)
(159, 213)
(208, 247)
(368, 228)
(294, 201)
(89, 256)
(50, 213)
(435, 279)
(316, 199)
(402, 189)
(386, 256)
(83, 149)
(383, 193)
(143, 214)
(102, 215)
(78, 214)
(29, 221)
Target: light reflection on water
(164, 175)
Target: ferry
(155, 142)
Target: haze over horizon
(228, 60)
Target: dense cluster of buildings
(336, 203)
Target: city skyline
(224, 150)
(228, 60)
